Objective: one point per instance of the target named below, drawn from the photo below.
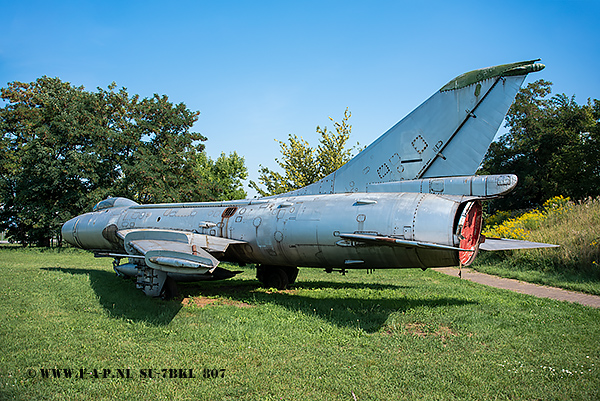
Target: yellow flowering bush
(575, 226)
(520, 227)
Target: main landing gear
(279, 277)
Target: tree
(302, 164)
(162, 166)
(63, 149)
(223, 175)
(553, 146)
(47, 166)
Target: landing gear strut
(279, 277)
(169, 290)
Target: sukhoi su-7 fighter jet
(408, 200)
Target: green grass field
(391, 335)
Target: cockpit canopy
(113, 202)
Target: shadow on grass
(344, 307)
(368, 313)
(120, 298)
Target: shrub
(575, 226)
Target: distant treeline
(552, 145)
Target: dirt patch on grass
(289, 292)
(201, 302)
(424, 330)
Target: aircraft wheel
(292, 274)
(273, 277)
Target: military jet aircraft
(408, 200)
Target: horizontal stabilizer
(505, 244)
(382, 240)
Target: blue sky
(259, 70)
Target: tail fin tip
(472, 77)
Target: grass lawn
(397, 334)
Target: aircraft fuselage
(296, 231)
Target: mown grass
(398, 334)
(575, 226)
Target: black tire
(292, 274)
(273, 277)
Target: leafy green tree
(161, 168)
(553, 146)
(63, 149)
(302, 164)
(224, 176)
(47, 168)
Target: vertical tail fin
(447, 135)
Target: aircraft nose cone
(68, 231)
